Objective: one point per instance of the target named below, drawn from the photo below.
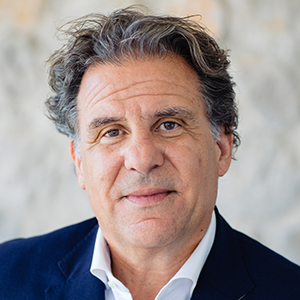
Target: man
(149, 107)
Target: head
(129, 34)
(149, 107)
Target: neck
(146, 271)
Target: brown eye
(113, 133)
(168, 125)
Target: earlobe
(225, 144)
(78, 165)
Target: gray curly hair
(131, 34)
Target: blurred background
(261, 193)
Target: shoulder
(255, 255)
(241, 261)
(31, 264)
(266, 264)
(274, 276)
(62, 240)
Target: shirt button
(111, 284)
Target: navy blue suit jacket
(56, 266)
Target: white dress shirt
(180, 287)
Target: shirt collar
(101, 262)
(193, 266)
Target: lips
(148, 197)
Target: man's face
(148, 162)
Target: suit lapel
(85, 286)
(224, 275)
(79, 283)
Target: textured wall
(260, 194)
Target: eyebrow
(168, 112)
(97, 122)
(176, 111)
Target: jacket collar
(79, 283)
(224, 275)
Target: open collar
(224, 275)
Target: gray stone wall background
(260, 194)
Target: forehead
(155, 80)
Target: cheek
(186, 157)
(196, 164)
(100, 170)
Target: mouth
(148, 197)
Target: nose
(142, 154)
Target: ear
(78, 165)
(224, 144)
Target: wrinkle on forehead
(103, 81)
(136, 89)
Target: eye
(113, 133)
(168, 125)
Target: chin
(150, 233)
